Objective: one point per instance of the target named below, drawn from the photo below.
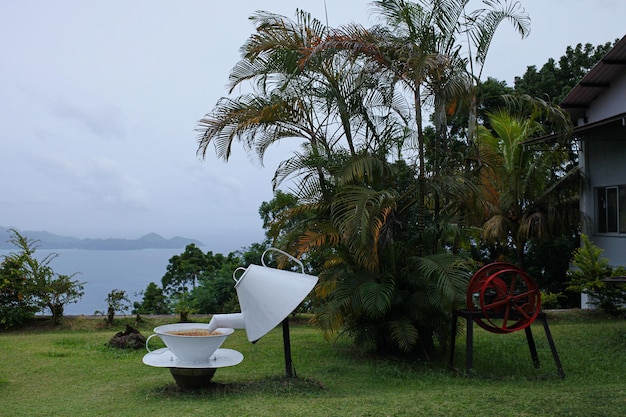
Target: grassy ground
(69, 371)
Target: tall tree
(184, 270)
(216, 292)
(554, 80)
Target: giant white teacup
(191, 342)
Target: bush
(552, 300)
(17, 300)
(588, 277)
(28, 285)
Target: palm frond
(363, 169)
(484, 23)
(447, 276)
(322, 236)
(497, 228)
(376, 297)
(360, 214)
(404, 334)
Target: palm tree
(378, 271)
(338, 93)
(375, 286)
(420, 47)
(527, 194)
(331, 103)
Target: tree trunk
(184, 316)
(421, 179)
(57, 312)
(110, 315)
(426, 341)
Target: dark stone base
(192, 378)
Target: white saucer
(164, 358)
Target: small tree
(116, 302)
(60, 291)
(183, 305)
(588, 275)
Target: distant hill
(52, 241)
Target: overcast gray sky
(100, 100)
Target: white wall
(603, 163)
(610, 103)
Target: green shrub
(551, 300)
(28, 285)
(587, 277)
(17, 293)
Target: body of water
(105, 270)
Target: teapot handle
(284, 253)
(241, 268)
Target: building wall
(610, 103)
(605, 165)
(603, 162)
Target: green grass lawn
(68, 371)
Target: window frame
(610, 208)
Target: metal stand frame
(290, 370)
(469, 316)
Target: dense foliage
(379, 206)
(198, 282)
(154, 301)
(554, 80)
(17, 293)
(411, 169)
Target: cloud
(103, 121)
(105, 185)
(94, 182)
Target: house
(597, 105)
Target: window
(611, 209)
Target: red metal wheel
(476, 284)
(478, 280)
(510, 300)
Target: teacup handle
(147, 340)
(296, 260)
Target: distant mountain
(52, 241)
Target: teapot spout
(234, 320)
